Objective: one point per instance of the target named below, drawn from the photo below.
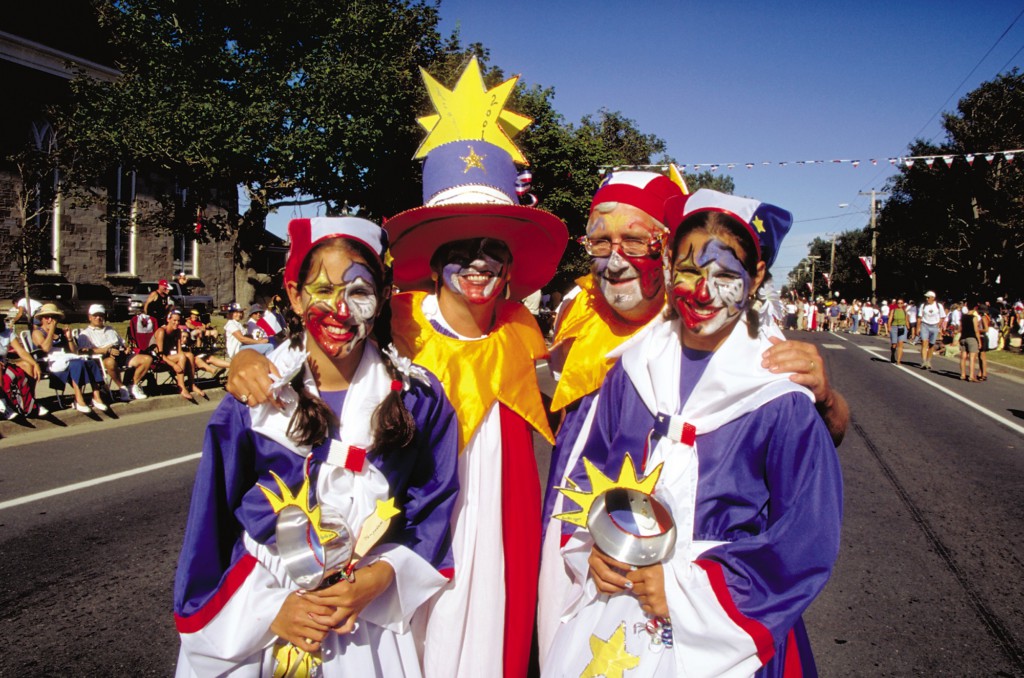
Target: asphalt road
(929, 581)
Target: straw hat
(49, 311)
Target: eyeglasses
(630, 247)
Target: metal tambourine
(631, 527)
(307, 559)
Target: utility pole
(814, 258)
(832, 264)
(874, 244)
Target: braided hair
(394, 426)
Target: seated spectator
(102, 340)
(235, 335)
(61, 353)
(25, 309)
(168, 347)
(273, 322)
(200, 343)
(18, 382)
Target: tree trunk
(247, 243)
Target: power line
(968, 76)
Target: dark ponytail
(312, 421)
(395, 426)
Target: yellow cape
(476, 373)
(594, 330)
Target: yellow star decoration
(600, 483)
(610, 656)
(471, 111)
(472, 160)
(759, 224)
(286, 498)
(386, 509)
(291, 662)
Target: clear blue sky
(756, 81)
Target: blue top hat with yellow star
(767, 224)
(469, 189)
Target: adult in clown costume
(363, 452)
(741, 459)
(624, 292)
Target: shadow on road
(1017, 413)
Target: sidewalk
(167, 398)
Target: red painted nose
(703, 296)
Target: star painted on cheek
(323, 291)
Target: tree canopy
(309, 103)
(960, 229)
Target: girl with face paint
(362, 437)
(713, 277)
(743, 462)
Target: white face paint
(476, 269)
(619, 281)
(632, 286)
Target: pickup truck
(126, 305)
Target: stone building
(84, 242)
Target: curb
(61, 419)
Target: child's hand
(349, 599)
(295, 622)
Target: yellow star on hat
(471, 111)
(610, 658)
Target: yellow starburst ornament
(610, 658)
(299, 500)
(471, 111)
(600, 483)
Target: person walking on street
(969, 334)
(987, 340)
(928, 319)
(897, 331)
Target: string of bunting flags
(908, 161)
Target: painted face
(340, 303)
(710, 286)
(477, 271)
(632, 285)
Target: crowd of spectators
(969, 326)
(100, 366)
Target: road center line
(96, 481)
(956, 396)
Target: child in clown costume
(473, 250)
(625, 237)
(747, 470)
(364, 436)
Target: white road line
(956, 396)
(96, 481)
(836, 347)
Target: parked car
(72, 298)
(131, 304)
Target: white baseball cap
(97, 309)
(929, 294)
